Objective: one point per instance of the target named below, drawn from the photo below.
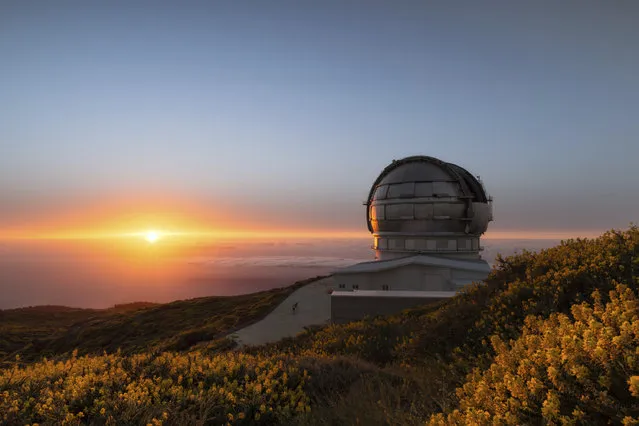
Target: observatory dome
(421, 204)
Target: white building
(426, 217)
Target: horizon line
(260, 234)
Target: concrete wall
(409, 277)
(349, 308)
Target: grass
(21, 328)
(53, 330)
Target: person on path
(295, 307)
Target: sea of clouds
(88, 276)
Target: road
(313, 308)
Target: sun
(152, 236)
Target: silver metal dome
(424, 205)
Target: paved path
(313, 307)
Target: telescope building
(426, 217)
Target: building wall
(345, 308)
(409, 277)
(465, 247)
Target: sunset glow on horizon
(154, 235)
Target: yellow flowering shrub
(230, 388)
(581, 368)
(528, 284)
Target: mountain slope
(50, 331)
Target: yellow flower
(634, 385)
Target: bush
(568, 369)
(139, 389)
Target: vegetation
(21, 328)
(139, 389)
(582, 368)
(548, 338)
(133, 328)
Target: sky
(279, 115)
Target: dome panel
(419, 171)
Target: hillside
(548, 338)
(132, 328)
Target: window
(463, 244)
(395, 244)
(385, 287)
(382, 243)
(415, 244)
(355, 287)
(399, 211)
(342, 286)
(401, 190)
(442, 244)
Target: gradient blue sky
(285, 112)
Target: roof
(419, 168)
(420, 259)
(397, 293)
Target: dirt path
(313, 307)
